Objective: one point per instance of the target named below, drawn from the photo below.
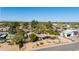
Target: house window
(68, 35)
(75, 32)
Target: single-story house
(3, 36)
(57, 29)
(70, 33)
(4, 28)
(43, 36)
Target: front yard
(45, 43)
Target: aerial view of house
(39, 29)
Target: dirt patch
(35, 45)
(46, 43)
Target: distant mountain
(12, 21)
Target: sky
(42, 14)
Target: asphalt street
(68, 47)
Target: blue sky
(43, 14)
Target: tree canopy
(34, 23)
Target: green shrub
(19, 36)
(53, 32)
(32, 37)
(41, 43)
(37, 44)
(20, 32)
(12, 30)
(53, 37)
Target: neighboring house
(57, 29)
(41, 36)
(44, 36)
(3, 36)
(4, 28)
(70, 33)
(68, 26)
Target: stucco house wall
(70, 33)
